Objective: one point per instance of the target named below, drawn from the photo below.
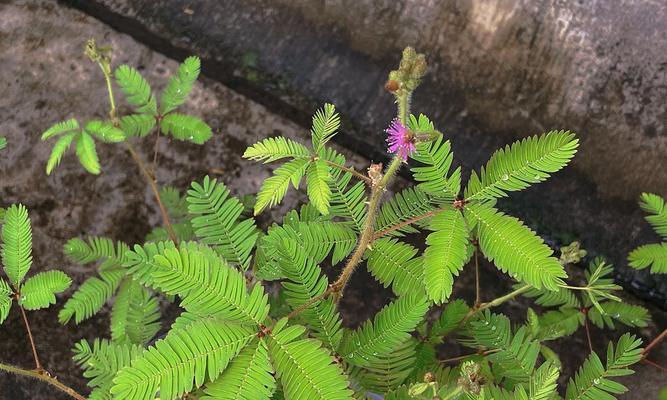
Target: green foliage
(305, 369)
(450, 319)
(16, 243)
(181, 361)
(249, 376)
(515, 249)
(40, 291)
(180, 85)
(516, 167)
(325, 124)
(652, 255)
(411, 202)
(274, 188)
(394, 263)
(186, 127)
(101, 362)
(389, 328)
(273, 149)
(318, 178)
(217, 223)
(6, 297)
(91, 296)
(137, 125)
(3, 142)
(136, 89)
(593, 380)
(135, 316)
(445, 255)
(87, 153)
(434, 176)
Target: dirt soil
(44, 78)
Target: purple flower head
(401, 140)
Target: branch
(156, 192)
(654, 343)
(347, 169)
(44, 377)
(38, 365)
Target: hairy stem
(44, 377)
(38, 365)
(367, 233)
(654, 343)
(151, 182)
(347, 169)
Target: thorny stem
(350, 170)
(151, 182)
(43, 376)
(587, 329)
(38, 365)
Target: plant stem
(496, 302)
(38, 365)
(366, 238)
(407, 222)
(112, 101)
(654, 343)
(156, 192)
(44, 377)
(588, 331)
(459, 358)
(347, 169)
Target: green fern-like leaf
(653, 255)
(186, 127)
(561, 297)
(390, 327)
(61, 127)
(517, 353)
(348, 203)
(207, 285)
(91, 296)
(592, 381)
(40, 290)
(306, 281)
(16, 243)
(59, 149)
(140, 263)
(445, 255)
(274, 188)
(217, 223)
(249, 376)
(6, 297)
(305, 369)
(627, 314)
(3, 142)
(105, 131)
(434, 176)
(401, 209)
(86, 152)
(137, 125)
(95, 249)
(182, 361)
(559, 323)
(394, 263)
(325, 124)
(180, 85)
(273, 149)
(136, 89)
(101, 362)
(515, 249)
(318, 178)
(450, 319)
(135, 316)
(655, 206)
(527, 161)
(543, 383)
(389, 371)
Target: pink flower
(401, 140)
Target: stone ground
(45, 78)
